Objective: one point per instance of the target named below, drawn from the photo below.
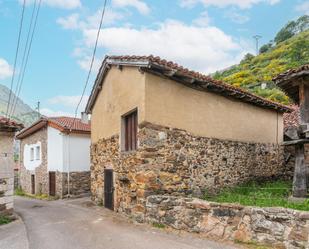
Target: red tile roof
(9, 123)
(300, 70)
(70, 123)
(63, 124)
(180, 74)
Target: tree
(248, 57)
(266, 47)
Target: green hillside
(23, 113)
(290, 49)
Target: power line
(91, 64)
(27, 57)
(16, 56)
(24, 56)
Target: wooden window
(130, 131)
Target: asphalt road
(76, 224)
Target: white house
(55, 157)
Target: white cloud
(63, 4)
(141, 6)
(5, 69)
(236, 16)
(203, 19)
(204, 49)
(303, 7)
(74, 21)
(68, 101)
(52, 113)
(243, 4)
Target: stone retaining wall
(79, 183)
(6, 173)
(279, 227)
(173, 161)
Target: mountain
(23, 113)
(290, 49)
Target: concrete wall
(122, 91)
(76, 152)
(6, 172)
(54, 150)
(68, 152)
(171, 104)
(29, 163)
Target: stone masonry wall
(6, 173)
(278, 227)
(79, 183)
(41, 173)
(172, 161)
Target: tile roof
(9, 123)
(180, 74)
(63, 124)
(290, 80)
(300, 70)
(292, 119)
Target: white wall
(54, 150)
(28, 163)
(67, 151)
(76, 152)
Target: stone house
(7, 134)
(158, 128)
(55, 157)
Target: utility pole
(38, 109)
(257, 38)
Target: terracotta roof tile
(288, 73)
(216, 86)
(64, 124)
(5, 122)
(67, 122)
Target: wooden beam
(304, 103)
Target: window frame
(126, 139)
(32, 154)
(37, 153)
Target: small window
(37, 152)
(130, 131)
(31, 154)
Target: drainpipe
(68, 165)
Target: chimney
(85, 119)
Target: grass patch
(268, 194)
(4, 220)
(158, 225)
(252, 245)
(20, 192)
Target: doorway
(33, 184)
(109, 189)
(52, 183)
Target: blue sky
(204, 35)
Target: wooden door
(108, 189)
(33, 184)
(52, 183)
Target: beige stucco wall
(122, 91)
(171, 104)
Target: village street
(76, 224)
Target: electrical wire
(24, 56)
(16, 56)
(91, 65)
(27, 57)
